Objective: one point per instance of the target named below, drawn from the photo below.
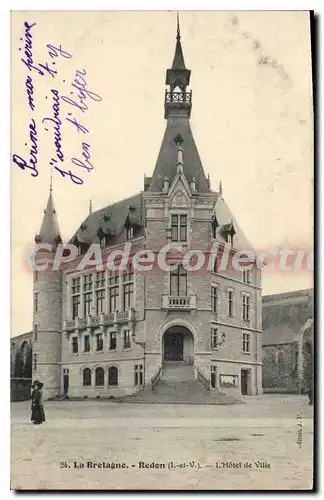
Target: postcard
(162, 250)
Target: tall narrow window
(138, 375)
(128, 288)
(36, 301)
(99, 342)
(35, 332)
(113, 292)
(230, 302)
(178, 282)
(214, 338)
(75, 297)
(100, 377)
(246, 342)
(127, 339)
(112, 375)
(214, 299)
(246, 307)
(112, 341)
(179, 227)
(75, 345)
(100, 292)
(35, 362)
(86, 345)
(213, 371)
(87, 295)
(86, 377)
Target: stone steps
(178, 386)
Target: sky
(252, 120)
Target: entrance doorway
(173, 347)
(244, 382)
(178, 345)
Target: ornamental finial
(178, 27)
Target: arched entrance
(178, 345)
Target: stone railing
(102, 319)
(181, 303)
(155, 379)
(203, 380)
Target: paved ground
(189, 441)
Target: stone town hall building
(106, 333)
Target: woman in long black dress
(38, 415)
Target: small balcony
(96, 321)
(181, 303)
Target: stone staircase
(177, 385)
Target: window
(127, 339)
(214, 338)
(86, 345)
(246, 342)
(100, 377)
(246, 307)
(36, 276)
(179, 228)
(35, 332)
(100, 302)
(99, 342)
(75, 345)
(36, 302)
(129, 273)
(100, 295)
(86, 377)
(113, 292)
(138, 375)
(35, 362)
(75, 306)
(214, 299)
(87, 301)
(230, 295)
(178, 282)
(113, 376)
(75, 298)
(112, 341)
(100, 279)
(213, 371)
(246, 276)
(129, 233)
(128, 296)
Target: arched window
(100, 376)
(24, 351)
(86, 377)
(113, 376)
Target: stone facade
(108, 334)
(288, 341)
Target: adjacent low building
(287, 341)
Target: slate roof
(225, 220)
(285, 316)
(167, 157)
(111, 220)
(49, 231)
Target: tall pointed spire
(178, 60)
(49, 231)
(178, 78)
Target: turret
(47, 311)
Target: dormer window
(104, 241)
(129, 233)
(179, 227)
(214, 225)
